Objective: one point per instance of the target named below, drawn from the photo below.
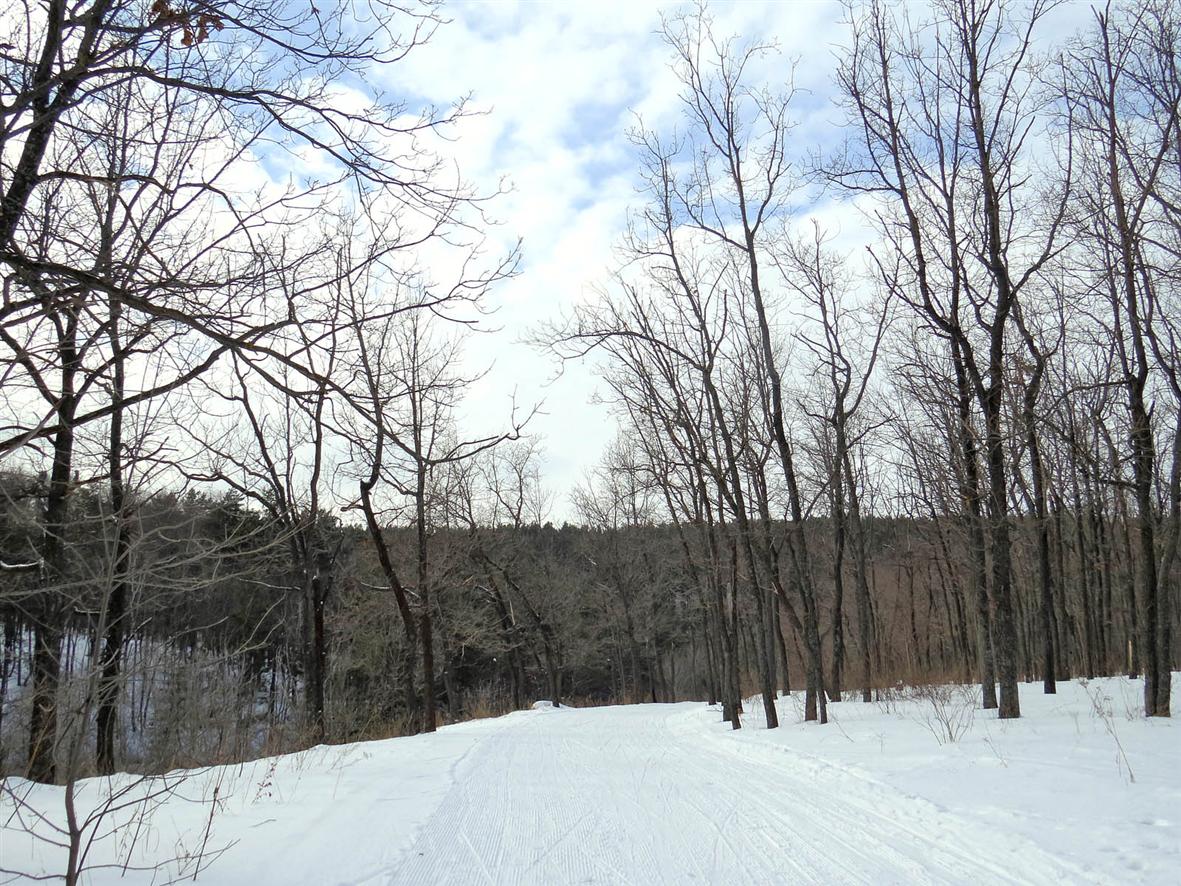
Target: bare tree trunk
(409, 623)
(1045, 574)
(106, 711)
(52, 612)
(865, 626)
(978, 569)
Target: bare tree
(846, 359)
(946, 113)
(1126, 110)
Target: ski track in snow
(639, 794)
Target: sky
(561, 83)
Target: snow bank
(1082, 774)
(332, 814)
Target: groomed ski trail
(652, 794)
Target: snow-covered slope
(1080, 790)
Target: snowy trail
(659, 794)
(653, 794)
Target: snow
(1081, 790)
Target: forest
(242, 514)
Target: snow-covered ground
(1080, 790)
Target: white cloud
(560, 82)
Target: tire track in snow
(856, 809)
(650, 794)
